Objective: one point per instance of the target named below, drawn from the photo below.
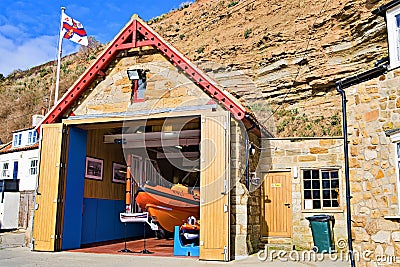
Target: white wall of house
(26, 174)
(23, 163)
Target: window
(33, 170)
(320, 189)
(393, 28)
(5, 173)
(32, 137)
(17, 139)
(395, 137)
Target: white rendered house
(18, 174)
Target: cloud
(11, 31)
(31, 52)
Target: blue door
(15, 170)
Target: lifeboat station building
(143, 108)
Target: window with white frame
(395, 137)
(321, 189)
(5, 171)
(32, 137)
(393, 28)
(33, 169)
(17, 139)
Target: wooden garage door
(214, 187)
(47, 197)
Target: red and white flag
(73, 30)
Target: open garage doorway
(177, 155)
(163, 156)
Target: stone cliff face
(293, 51)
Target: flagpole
(59, 57)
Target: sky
(29, 29)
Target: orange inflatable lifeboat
(169, 207)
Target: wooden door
(277, 203)
(214, 187)
(47, 196)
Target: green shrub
(233, 3)
(200, 49)
(247, 33)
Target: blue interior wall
(101, 221)
(73, 202)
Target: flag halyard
(73, 30)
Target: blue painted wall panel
(73, 202)
(119, 206)
(89, 220)
(105, 220)
(101, 221)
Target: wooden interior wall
(109, 153)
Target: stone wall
(374, 107)
(26, 209)
(167, 87)
(291, 155)
(245, 204)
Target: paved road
(22, 256)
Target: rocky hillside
(294, 51)
(291, 53)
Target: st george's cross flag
(73, 30)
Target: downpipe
(346, 172)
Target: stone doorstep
(278, 247)
(276, 243)
(277, 240)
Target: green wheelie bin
(322, 232)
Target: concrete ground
(23, 256)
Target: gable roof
(126, 39)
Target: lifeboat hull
(168, 207)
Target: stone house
(269, 186)
(142, 102)
(373, 104)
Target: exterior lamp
(138, 79)
(133, 74)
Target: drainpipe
(346, 172)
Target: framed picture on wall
(119, 173)
(94, 168)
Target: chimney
(36, 119)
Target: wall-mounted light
(254, 180)
(295, 172)
(252, 149)
(133, 74)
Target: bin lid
(321, 218)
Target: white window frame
(17, 139)
(396, 142)
(5, 173)
(34, 167)
(32, 137)
(328, 209)
(393, 37)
